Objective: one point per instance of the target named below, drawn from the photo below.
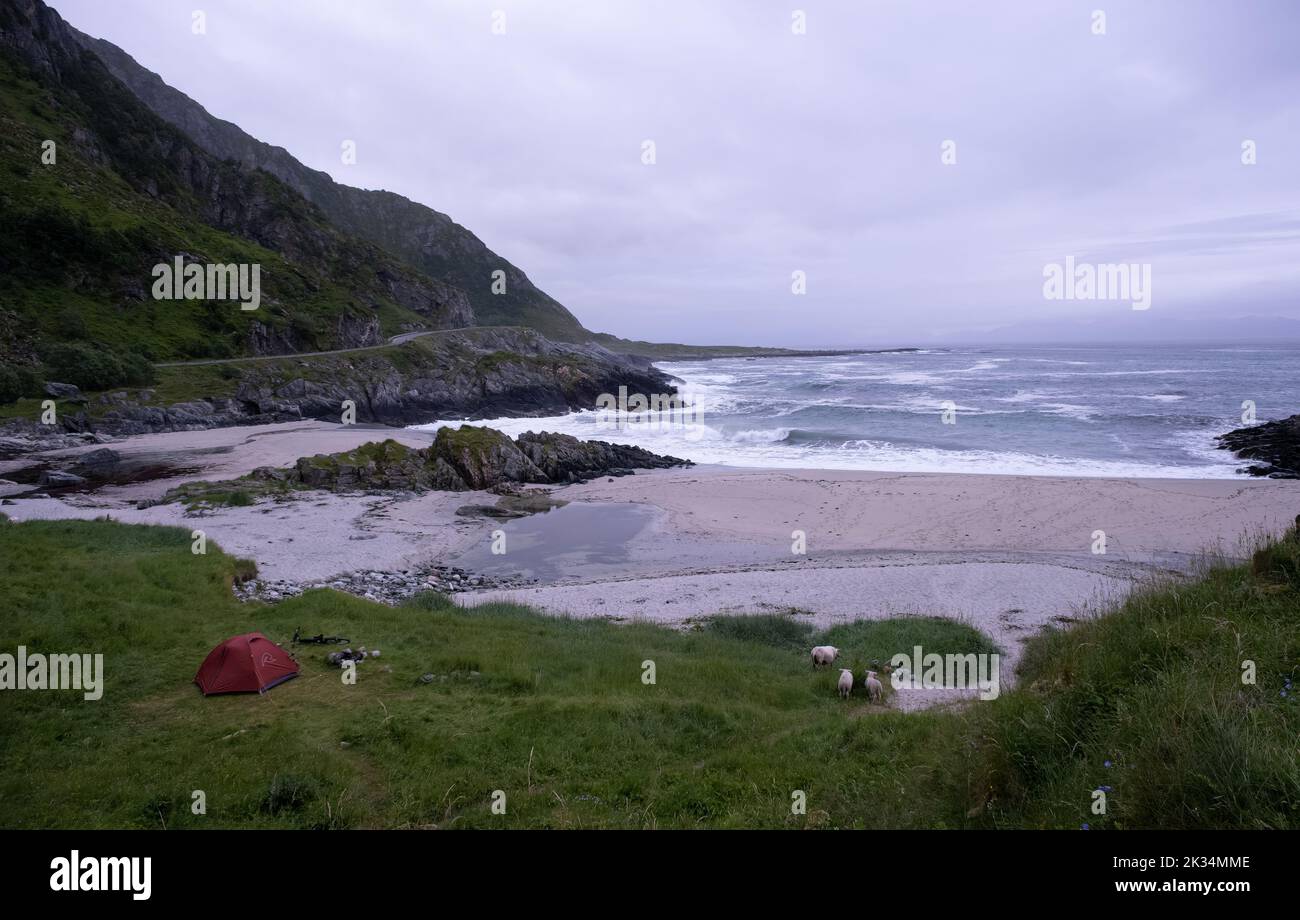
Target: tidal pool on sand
(580, 539)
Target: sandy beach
(1006, 554)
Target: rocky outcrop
(564, 458)
(266, 339)
(1275, 446)
(464, 459)
(468, 459)
(458, 461)
(474, 373)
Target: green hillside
(79, 237)
(425, 239)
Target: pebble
(384, 587)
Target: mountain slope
(424, 238)
(126, 191)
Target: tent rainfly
(250, 663)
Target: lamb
(874, 689)
(824, 655)
(846, 683)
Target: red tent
(245, 664)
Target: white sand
(225, 453)
(312, 538)
(844, 510)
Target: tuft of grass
(763, 629)
(429, 600)
(872, 643)
(1278, 563)
(289, 793)
(244, 570)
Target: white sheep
(824, 655)
(874, 689)
(846, 683)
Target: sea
(1096, 410)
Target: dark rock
(59, 478)
(564, 458)
(96, 461)
(23, 436)
(489, 511)
(62, 390)
(1276, 445)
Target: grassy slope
(557, 715)
(1156, 690)
(125, 233)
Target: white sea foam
(1023, 396)
(1068, 410)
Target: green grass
(236, 493)
(554, 712)
(1156, 690)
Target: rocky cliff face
(1274, 445)
(474, 373)
(421, 237)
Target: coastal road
(405, 337)
(401, 339)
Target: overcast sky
(780, 152)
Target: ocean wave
(1200, 444)
(1143, 373)
(1069, 410)
(903, 378)
(985, 365)
(1023, 396)
(759, 435)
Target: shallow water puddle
(580, 539)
